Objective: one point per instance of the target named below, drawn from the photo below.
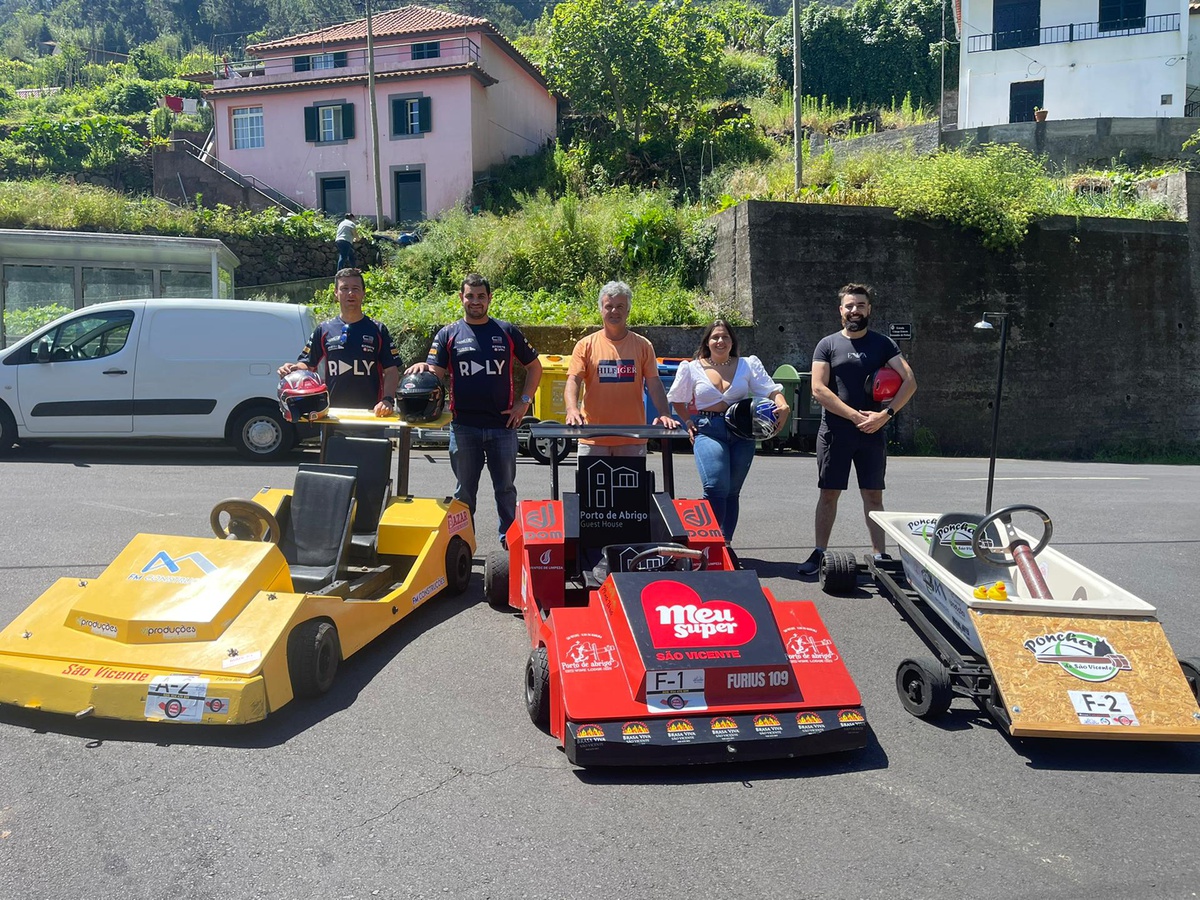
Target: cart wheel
(839, 572)
(541, 449)
(523, 437)
(924, 687)
(458, 566)
(313, 653)
(537, 687)
(1191, 671)
(495, 579)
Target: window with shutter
(411, 116)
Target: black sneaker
(812, 565)
(882, 557)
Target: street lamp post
(797, 99)
(984, 325)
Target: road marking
(132, 509)
(1065, 478)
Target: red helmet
(303, 396)
(883, 385)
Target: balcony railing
(329, 64)
(1078, 31)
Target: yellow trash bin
(548, 405)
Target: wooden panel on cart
(1088, 677)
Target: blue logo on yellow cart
(162, 560)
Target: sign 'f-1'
(470, 367)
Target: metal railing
(409, 55)
(247, 181)
(1077, 31)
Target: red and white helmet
(303, 396)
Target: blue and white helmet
(753, 418)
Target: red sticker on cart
(678, 617)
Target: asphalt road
(420, 775)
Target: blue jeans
(345, 255)
(723, 460)
(469, 447)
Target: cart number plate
(1103, 708)
(675, 689)
(176, 698)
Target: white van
(156, 369)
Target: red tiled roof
(465, 69)
(407, 20)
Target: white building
(1076, 59)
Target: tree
(870, 53)
(632, 59)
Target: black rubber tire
(537, 687)
(923, 685)
(495, 579)
(523, 437)
(313, 655)
(261, 434)
(541, 450)
(8, 429)
(1191, 671)
(839, 572)
(458, 566)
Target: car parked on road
(156, 368)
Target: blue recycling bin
(667, 367)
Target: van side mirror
(42, 354)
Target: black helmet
(303, 396)
(421, 397)
(754, 419)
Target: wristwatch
(891, 413)
(526, 399)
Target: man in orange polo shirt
(612, 366)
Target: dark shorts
(837, 448)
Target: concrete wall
(921, 140)
(1103, 349)
(179, 177)
(1077, 143)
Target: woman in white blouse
(704, 388)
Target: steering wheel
(677, 552)
(248, 521)
(1008, 556)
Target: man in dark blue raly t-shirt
(852, 422)
(477, 354)
(362, 367)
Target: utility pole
(374, 120)
(942, 99)
(797, 96)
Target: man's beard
(857, 324)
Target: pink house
(453, 97)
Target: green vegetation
(62, 206)
(678, 108)
(548, 259)
(996, 191)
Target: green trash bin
(800, 433)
